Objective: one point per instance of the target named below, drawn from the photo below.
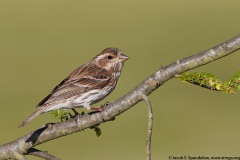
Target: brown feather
(84, 78)
(86, 85)
(33, 115)
(46, 98)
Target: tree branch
(150, 126)
(41, 154)
(18, 148)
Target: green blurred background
(42, 41)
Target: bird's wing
(79, 81)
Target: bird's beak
(123, 57)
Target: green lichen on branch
(64, 115)
(210, 81)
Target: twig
(150, 125)
(202, 85)
(42, 154)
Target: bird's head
(111, 58)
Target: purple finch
(86, 85)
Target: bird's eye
(110, 57)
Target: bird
(86, 85)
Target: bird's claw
(102, 108)
(75, 113)
(76, 118)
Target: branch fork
(17, 148)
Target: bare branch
(21, 146)
(150, 126)
(41, 154)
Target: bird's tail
(29, 118)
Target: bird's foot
(102, 108)
(76, 118)
(75, 113)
